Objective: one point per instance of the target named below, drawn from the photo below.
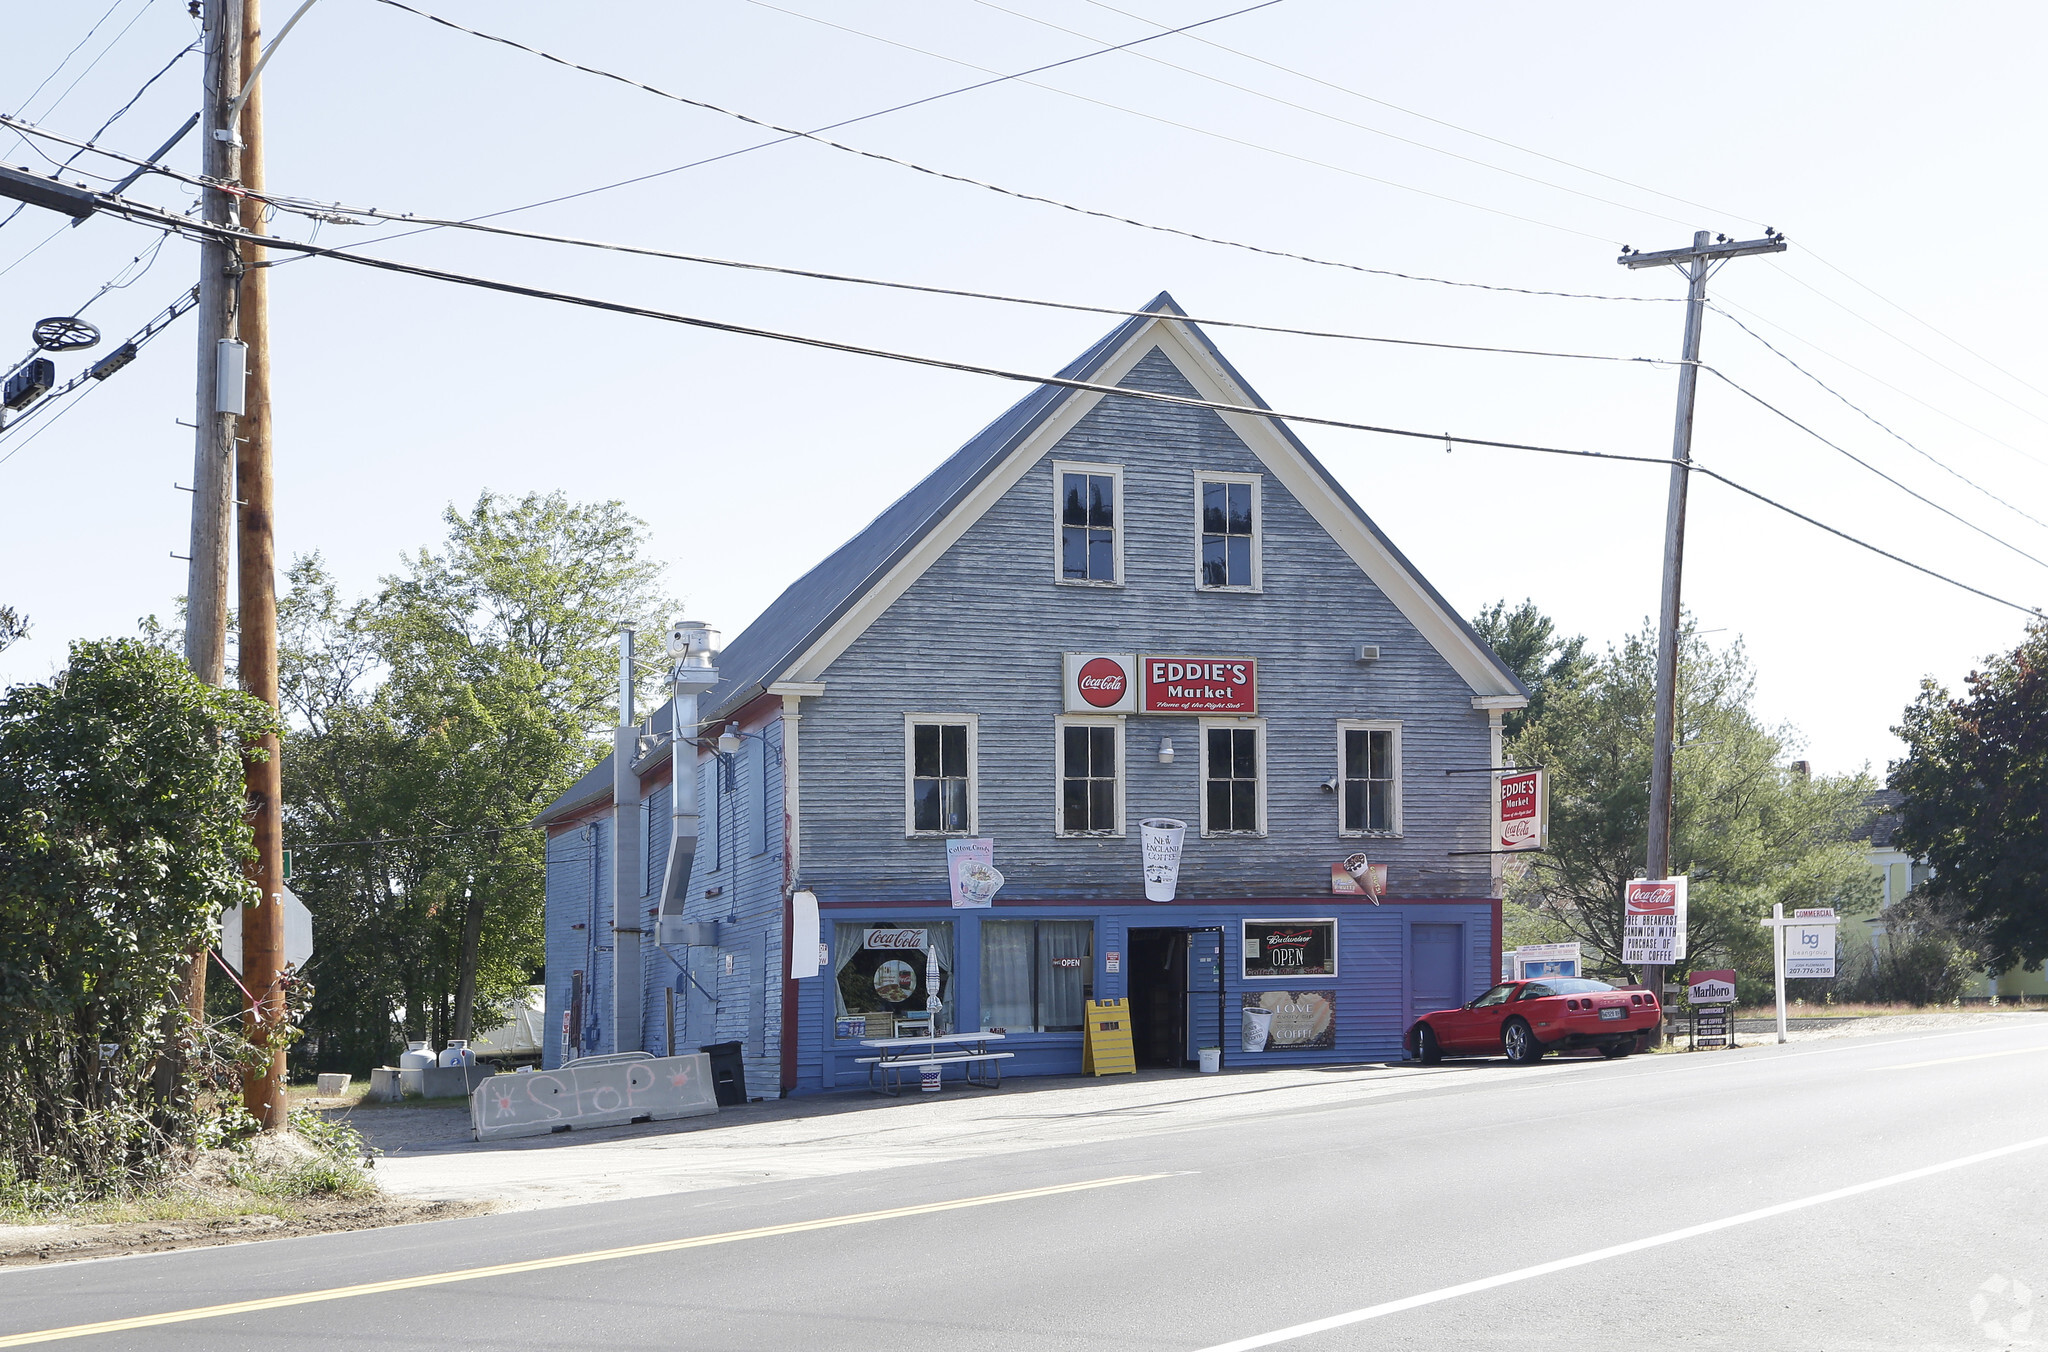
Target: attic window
(1227, 524)
(1085, 519)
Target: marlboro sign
(1521, 811)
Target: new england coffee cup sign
(1160, 683)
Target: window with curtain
(1036, 975)
(1370, 773)
(880, 976)
(941, 774)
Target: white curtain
(1006, 958)
(845, 948)
(940, 937)
(1061, 989)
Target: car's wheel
(1518, 1040)
(1427, 1049)
(1614, 1051)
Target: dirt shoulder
(22, 1245)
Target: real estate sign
(1810, 948)
(1653, 921)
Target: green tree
(1527, 640)
(1748, 828)
(121, 838)
(438, 718)
(1975, 781)
(13, 627)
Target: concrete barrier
(598, 1092)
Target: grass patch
(1851, 1009)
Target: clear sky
(1892, 143)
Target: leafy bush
(321, 1158)
(121, 837)
(1916, 969)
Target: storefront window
(1036, 975)
(885, 976)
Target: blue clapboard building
(1101, 612)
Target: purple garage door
(1436, 978)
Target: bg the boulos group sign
(1160, 683)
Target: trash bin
(728, 1073)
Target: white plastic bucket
(1159, 840)
(928, 1079)
(1212, 1059)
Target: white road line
(1380, 1311)
(1951, 1060)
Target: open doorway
(1159, 996)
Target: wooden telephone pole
(1695, 263)
(256, 602)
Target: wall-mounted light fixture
(729, 740)
(1166, 750)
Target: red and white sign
(1198, 685)
(1653, 921)
(1711, 988)
(1101, 683)
(1521, 811)
(894, 939)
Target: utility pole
(256, 603)
(1695, 263)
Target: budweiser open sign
(1198, 685)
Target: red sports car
(1527, 1019)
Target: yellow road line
(541, 1264)
(1951, 1060)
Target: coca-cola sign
(894, 938)
(1101, 683)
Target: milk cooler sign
(1653, 922)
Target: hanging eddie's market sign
(1521, 811)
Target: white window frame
(1258, 725)
(1060, 724)
(1393, 726)
(1060, 469)
(1257, 482)
(910, 722)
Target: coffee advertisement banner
(1289, 1021)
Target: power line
(1938, 411)
(1926, 356)
(92, 65)
(118, 113)
(1730, 382)
(156, 216)
(97, 25)
(1410, 112)
(1925, 325)
(788, 132)
(1191, 127)
(140, 339)
(1872, 419)
(340, 214)
(1287, 103)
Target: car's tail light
(1635, 999)
(1571, 1004)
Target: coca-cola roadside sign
(1198, 685)
(1101, 683)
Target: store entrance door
(1159, 996)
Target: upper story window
(1087, 497)
(1227, 513)
(1233, 777)
(1369, 773)
(938, 773)
(1091, 760)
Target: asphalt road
(1864, 1194)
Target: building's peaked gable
(957, 494)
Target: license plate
(1614, 1012)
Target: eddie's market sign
(1160, 683)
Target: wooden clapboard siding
(982, 632)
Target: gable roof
(801, 619)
